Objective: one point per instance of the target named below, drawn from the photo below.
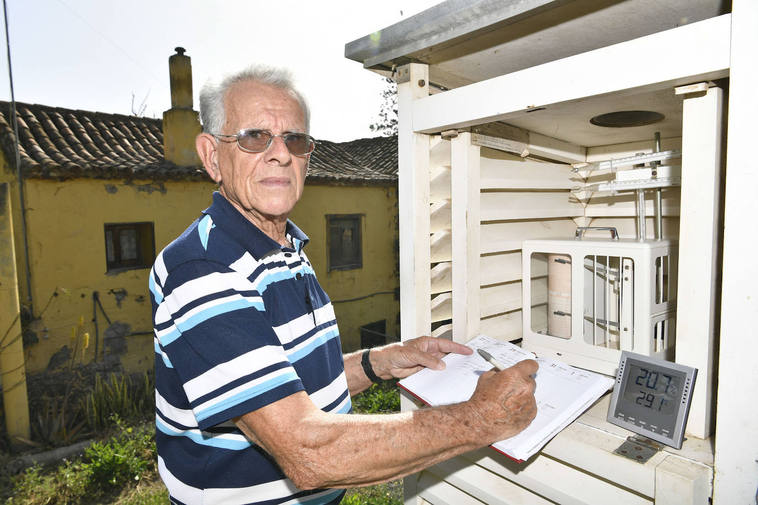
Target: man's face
(264, 186)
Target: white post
(736, 479)
(413, 206)
(465, 196)
(698, 249)
(413, 210)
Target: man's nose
(277, 150)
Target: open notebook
(563, 392)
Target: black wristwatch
(367, 368)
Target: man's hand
(402, 360)
(503, 403)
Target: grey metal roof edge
(439, 24)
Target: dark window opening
(129, 246)
(373, 334)
(344, 241)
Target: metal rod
(641, 232)
(606, 301)
(19, 173)
(594, 299)
(658, 194)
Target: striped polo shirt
(240, 322)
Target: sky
(112, 55)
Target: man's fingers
(439, 346)
(423, 358)
(527, 367)
(447, 346)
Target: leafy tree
(386, 124)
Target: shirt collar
(227, 217)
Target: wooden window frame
(330, 223)
(145, 233)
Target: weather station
(564, 184)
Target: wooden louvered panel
(508, 205)
(505, 267)
(439, 185)
(441, 248)
(507, 297)
(495, 269)
(442, 277)
(499, 237)
(506, 174)
(434, 490)
(442, 307)
(627, 227)
(504, 326)
(473, 481)
(443, 331)
(439, 219)
(439, 151)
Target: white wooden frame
(465, 237)
(736, 479)
(698, 232)
(710, 49)
(694, 53)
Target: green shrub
(380, 398)
(122, 459)
(390, 493)
(68, 483)
(105, 469)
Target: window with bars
(129, 246)
(344, 241)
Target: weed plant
(105, 470)
(380, 398)
(122, 469)
(128, 398)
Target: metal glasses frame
(271, 135)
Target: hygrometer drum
(651, 397)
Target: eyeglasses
(257, 141)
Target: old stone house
(89, 201)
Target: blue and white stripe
(233, 333)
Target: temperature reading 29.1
(655, 388)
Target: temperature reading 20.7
(654, 388)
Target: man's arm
(317, 449)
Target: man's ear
(206, 150)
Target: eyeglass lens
(258, 140)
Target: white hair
(213, 95)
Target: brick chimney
(181, 123)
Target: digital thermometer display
(651, 397)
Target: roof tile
(65, 144)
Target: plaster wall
(65, 224)
(364, 295)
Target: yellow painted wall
(67, 251)
(378, 205)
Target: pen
(484, 354)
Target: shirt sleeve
(213, 328)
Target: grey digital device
(652, 397)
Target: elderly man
(252, 389)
